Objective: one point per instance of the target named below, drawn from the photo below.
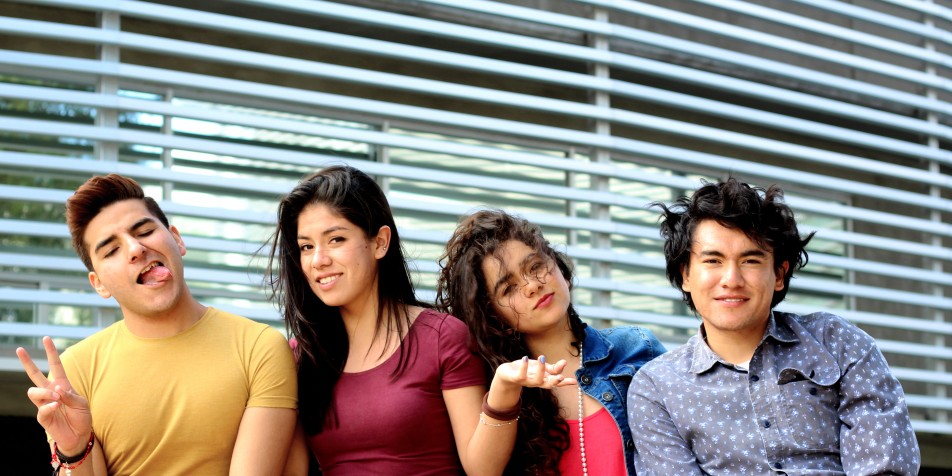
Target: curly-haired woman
(501, 276)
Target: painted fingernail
(541, 359)
(525, 358)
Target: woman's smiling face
(337, 258)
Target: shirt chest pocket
(810, 399)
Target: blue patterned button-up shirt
(818, 399)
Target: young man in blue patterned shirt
(759, 391)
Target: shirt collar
(596, 346)
(705, 358)
(779, 329)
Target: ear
(98, 286)
(685, 278)
(382, 242)
(781, 272)
(178, 239)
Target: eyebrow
(325, 232)
(745, 254)
(135, 226)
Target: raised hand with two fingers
(62, 412)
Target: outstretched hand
(63, 413)
(528, 372)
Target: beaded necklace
(581, 424)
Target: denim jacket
(610, 359)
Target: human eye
(304, 247)
(110, 252)
(146, 232)
(536, 266)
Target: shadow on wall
(23, 447)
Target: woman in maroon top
(386, 385)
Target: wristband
(507, 415)
(60, 460)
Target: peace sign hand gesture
(62, 412)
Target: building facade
(576, 114)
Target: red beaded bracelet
(507, 415)
(60, 460)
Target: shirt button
(778, 465)
(586, 379)
(754, 378)
(630, 444)
(766, 424)
(813, 391)
(607, 396)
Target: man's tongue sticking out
(158, 274)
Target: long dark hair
(322, 342)
(759, 213)
(461, 291)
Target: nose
(533, 285)
(732, 277)
(136, 249)
(320, 258)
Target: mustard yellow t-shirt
(172, 406)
